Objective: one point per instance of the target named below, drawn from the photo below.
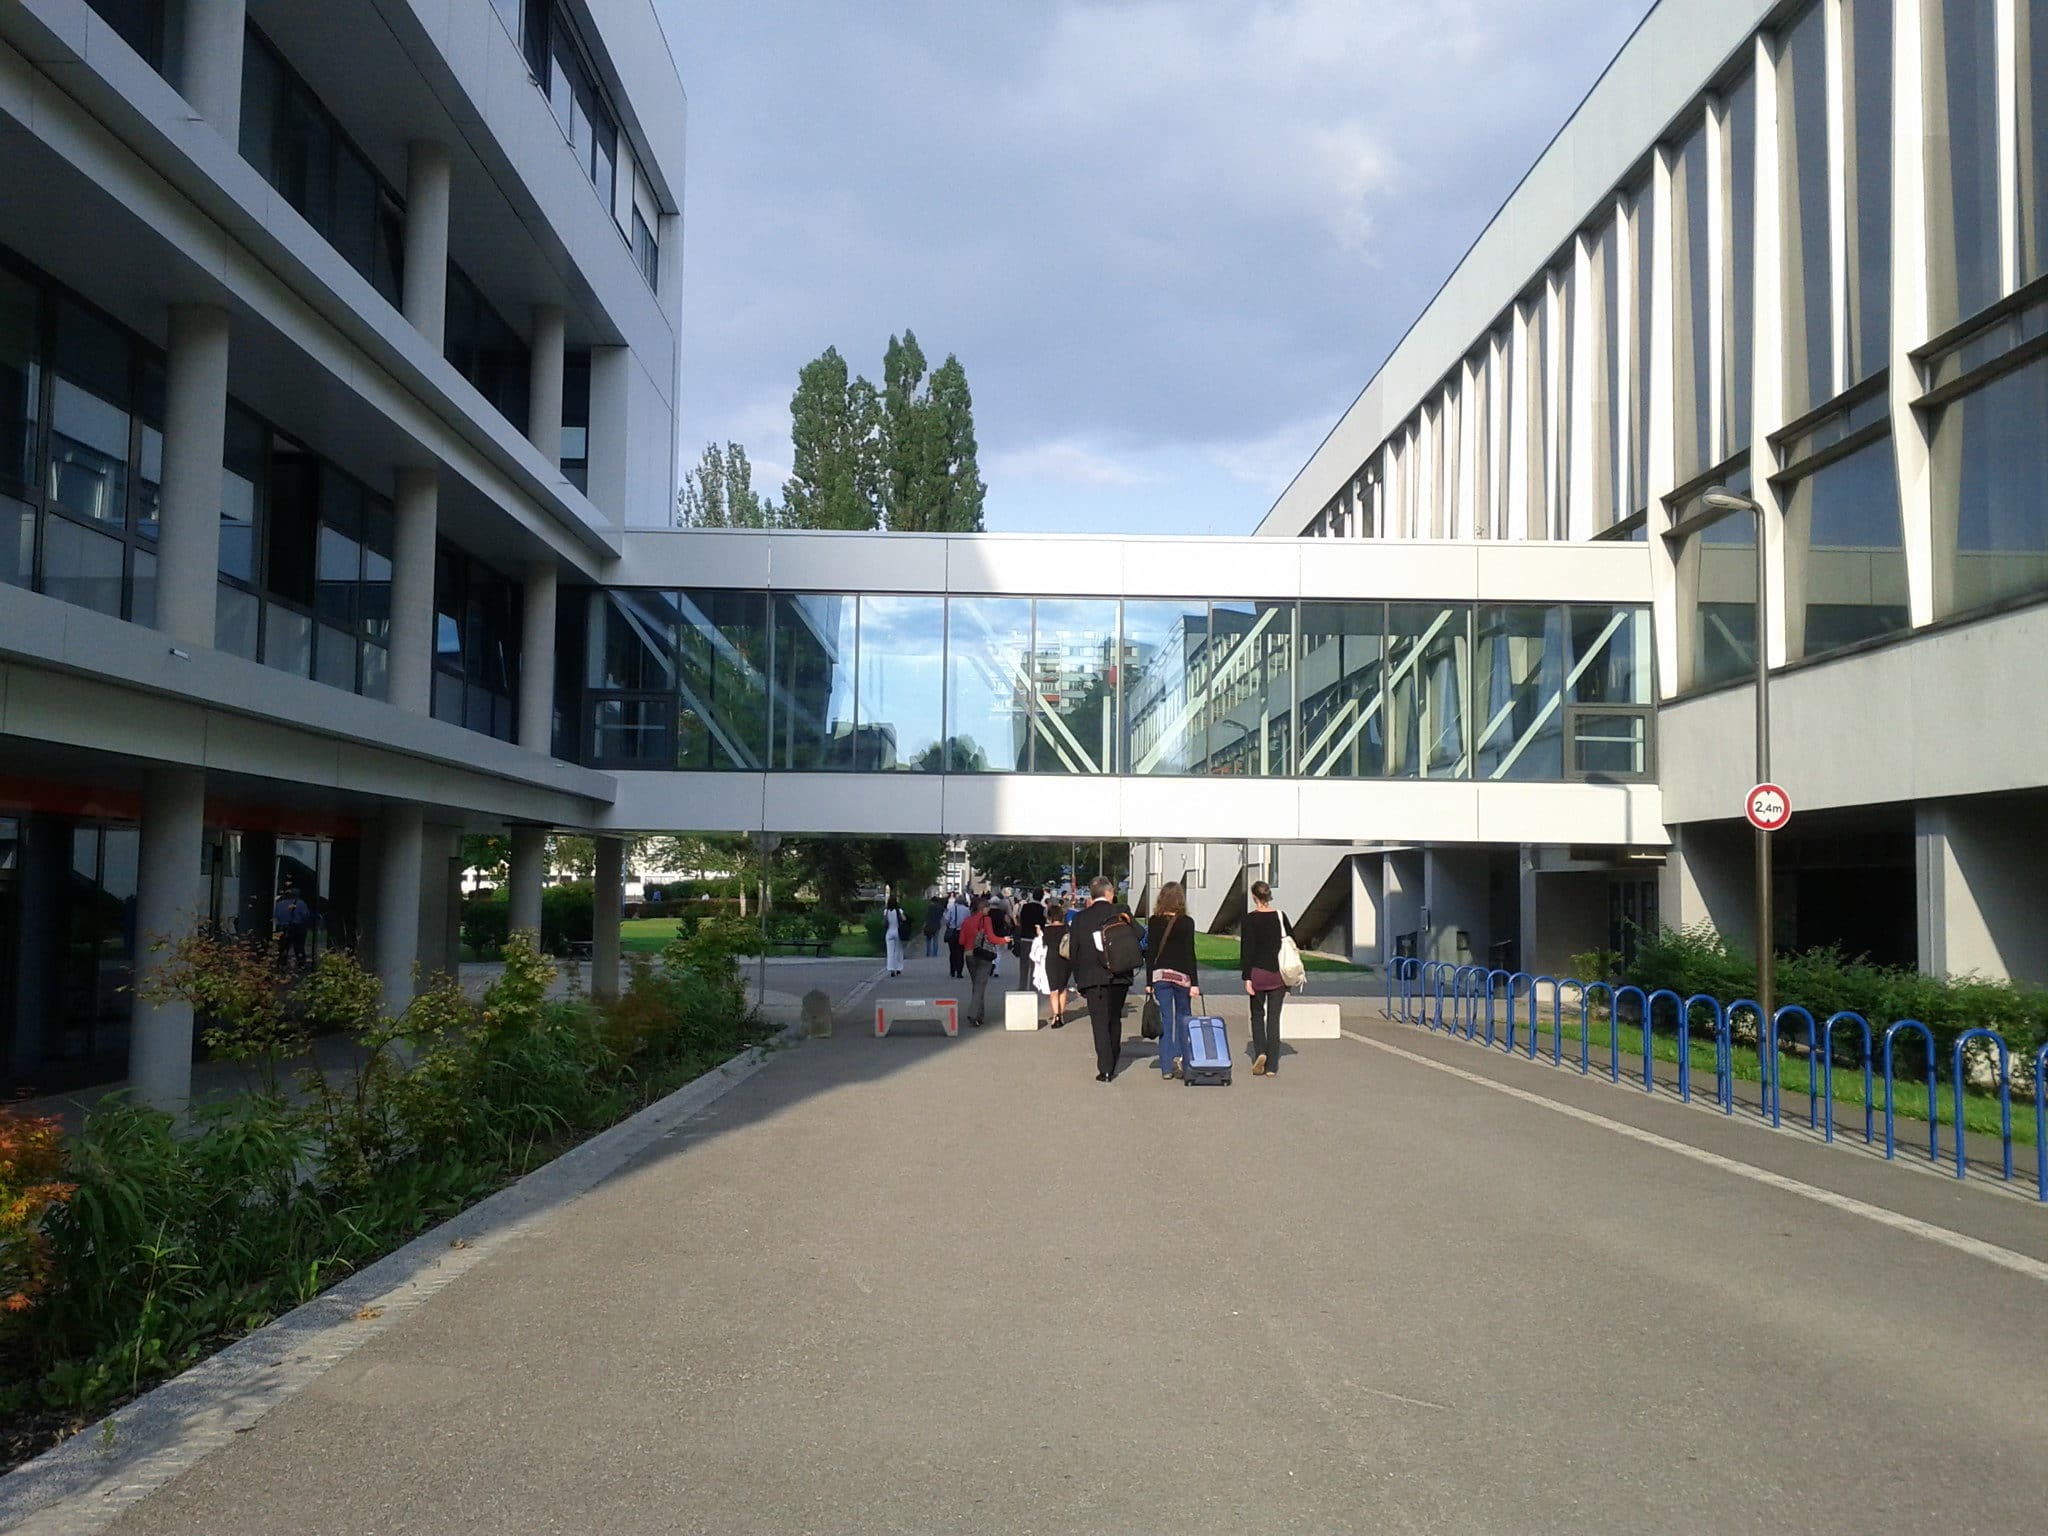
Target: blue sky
(1169, 239)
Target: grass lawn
(1220, 950)
(1980, 1111)
(651, 935)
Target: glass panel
(448, 697)
(1611, 658)
(902, 684)
(1166, 677)
(722, 674)
(1962, 156)
(376, 588)
(2033, 141)
(1990, 467)
(1073, 673)
(81, 566)
(335, 656)
(476, 710)
(288, 641)
(340, 568)
(1427, 657)
(236, 615)
(1739, 337)
(813, 703)
(1343, 715)
(355, 210)
(17, 543)
(142, 589)
(1868, 24)
(988, 688)
(1691, 281)
(1612, 476)
(263, 90)
(1251, 688)
(88, 454)
(1520, 692)
(376, 672)
(20, 379)
(1846, 518)
(632, 733)
(1610, 745)
(1644, 222)
(1803, 162)
(305, 159)
(242, 465)
(1725, 610)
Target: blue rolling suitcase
(1208, 1058)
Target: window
(1343, 719)
(1803, 167)
(1990, 469)
(1643, 231)
(1719, 568)
(646, 253)
(139, 24)
(476, 644)
(1962, 157)
(20, 378)
(1166, 679)
(1738, 333)
(1520, 691)
(1847, 563)
(1427, 657)
(900, 719)
(576, 420)
(1691, 286)
(814, 657)
(1251, 691)
(1868, 28)
(722, 679)
(486, 350)
(2033, 139)
(988, 684)
(1073, 680)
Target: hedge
(565, 919)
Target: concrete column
(1455, 893)
(537, 660)
(610, 415)
(395, 918)
(211, 74)
(528, 874)
(1982, 905)
(1368, 927)
(1710, 877)
(544, 392)
(416, 515)
(1401, 900)
(170, 899)
(425, 295)
(609, 897)
(195, 429)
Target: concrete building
(341, 349)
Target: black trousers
(1106, 1013)
(956, 956)
(1266, 1026)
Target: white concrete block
(1310, 1021)
(1020, 1010)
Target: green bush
(876, 922)
(566, 917)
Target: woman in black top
(1059, 969)
(1172, 979)
(1030, 918)
(1259, 960)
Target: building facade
(1799, 251)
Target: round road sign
(1768, 807)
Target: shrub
(486, 919)
(877, 925)
(239, 993)
(565, 919)
(32, 1184)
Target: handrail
(1724, 1049)
(1933, 1102)
(2004, 1096)
(1827, 1072)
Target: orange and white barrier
(945, 1010)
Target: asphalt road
(929, 1285)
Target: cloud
(1149, 228)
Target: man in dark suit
(1104, 989)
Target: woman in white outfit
(892, 934)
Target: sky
(1169, 240)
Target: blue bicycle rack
(1642, 1002)
(1556, 1018)
(1515, 985)
(1756, 1011)
(1586, 1030)
(1933, 1102)
(2041, 1123)
(2004, 1096)
(1827, 1072)
(1471, 982)
(1649, 1042)
(1724, 1049)
(1491, 996)
(1777, 1069)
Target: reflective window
(2033, 138)
(631, 733)
(1868, 25)
(988, 684)
(1643, 230)
(1738, 339)
(1724, 642)
(246, 448)
(902, 683)
(237, 618)
(1962, 172)
(1611, 488)
(1338, 676)
(1251, 689)
(1692, 326)
(1842, 525)
(1427, 662)
(1518, 693)
(20, 378)
(813, 719)
(486, 350)
(1803, 166)
(139, 23)
(1611, 656)
(81, 566)
(1073, 676)
(722, 678)
(1166, 679)
(288, 641)
(89, 403)
(637, 642)
(142, 587)
(1989, 466)
(17, 543)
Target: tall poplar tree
(932, 480)
(719, 493)
(834, 427)
(951, 455)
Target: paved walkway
(929, 1285)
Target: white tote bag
(1292, 971)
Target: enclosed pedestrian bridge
(1122, 688)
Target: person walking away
(1000, 926)
(956, 919)
(1024, 937)
(934, 924)
(292, 918)
(1103, 987)
(1172, 978)
(1259, 960)
(1059, 970)
(978, 944)
(894, 923)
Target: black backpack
(1121, 952)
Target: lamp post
(1719, 498)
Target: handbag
(1292, 972)
(1149, 1022)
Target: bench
(817, 947)
(582, 949)
(944, 1011)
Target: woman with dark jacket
(1172, 979)
(1059, 968)
(1259, 961)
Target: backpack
(999, 922)
(1121, 952)
(902, 924)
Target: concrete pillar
(610, 417)
(424, 298)
(544, 391)
(195, 429)
(537, 660)
(395, 918)
(1401, 899)
(211, 72)
(1368, 899)
(1455, 894)
(170, 899)
(416, 514)
(529, 868)
(1710, 877)
(609, 897)
(1982, 901)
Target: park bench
(582, 949)
(818, 947)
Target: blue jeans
(1174, 1009)
(931, 945)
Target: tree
(834, 427)
(719, 493)
(931, 475)
(487, 854)
(952, 466)
(1006, 861)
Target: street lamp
(1719, 498)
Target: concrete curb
(82, 1484)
